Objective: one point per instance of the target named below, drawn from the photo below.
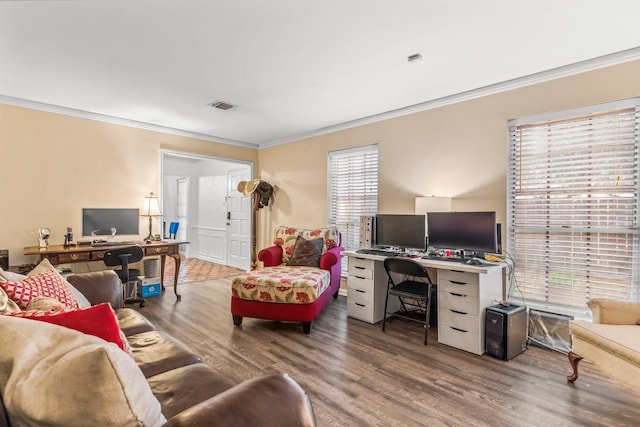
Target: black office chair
(123, 257)
(414, 295)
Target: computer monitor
(110, 222)
(468, 231)
(402, 231)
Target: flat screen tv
(468, 231)
(110, 222)
(402, 231)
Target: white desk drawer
(459, 302)
(360, 296)
(361, 262)
(360, 271)
(458, 277)
(464, 321)
(360, 311)
(461, 339)
(360, 283)
(469, 289)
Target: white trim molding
(555, 73)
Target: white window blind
(573, 206)
(353, 192)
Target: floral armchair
(284, 240)
(290, 287)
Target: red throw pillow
(47, 284)
(98, 320)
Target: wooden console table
(58, 254)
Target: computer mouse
(473, 261)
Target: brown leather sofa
(189, 392)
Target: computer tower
(506, 331)
(367, 231)
(4, 259)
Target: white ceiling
(294, 68)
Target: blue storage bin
(149, 287)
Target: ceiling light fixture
(414, 58)
(221, 105)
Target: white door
(238, 221)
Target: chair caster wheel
(141, 304)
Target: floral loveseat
(98, 367)
(301, 274)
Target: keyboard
(382, 252)
(113, 243)
(476, 262)
(104, 243)
(441, 258)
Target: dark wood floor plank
(356, 375)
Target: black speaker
(506, 331)
(499, 238)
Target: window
(353, 192)
(573, 205)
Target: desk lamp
(150, 208)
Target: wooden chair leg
(574, 359)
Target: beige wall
(54, 165)
(459, 150)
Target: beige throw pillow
(614, 312)
(45, 304)
(6, 304)
(10, 276)
(54, 376)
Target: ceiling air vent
(415, 57)
(221, 105)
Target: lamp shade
(150, 206)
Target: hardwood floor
(356, 375)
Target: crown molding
(531, 79)
(41, 106)
(552, 74)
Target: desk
(464, 293)
(58, 254)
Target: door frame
(164, 153)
